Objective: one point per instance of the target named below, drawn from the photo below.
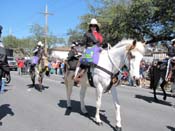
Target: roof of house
(60, 49)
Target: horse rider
(3, 60)
(171, 48)
(91, 37)
(171, 63)
(38, 54)
(72, 53)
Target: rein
(129, 55)
(110, 58)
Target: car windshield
(10, 58)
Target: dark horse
(159, 71)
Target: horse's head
(135, 54)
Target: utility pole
(46, 14)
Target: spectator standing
(62, 68)
(20, 66)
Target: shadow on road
(161, 94)
(151, 100)
(4, 111)
(6, 88)
(171, 128)
(36, 86)
(91, 111)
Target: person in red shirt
(93, 35)
(20, 66)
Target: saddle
(115, 78)
(90, 60)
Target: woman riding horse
(92, 37)
(126, 52)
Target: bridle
(128, 57)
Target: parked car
(12, 63)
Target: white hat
(35, 50)
(173, 40)
(73, 45)
(40, 44)
(94, 22)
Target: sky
(17, 16)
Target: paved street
(23, 108)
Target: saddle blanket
(35, 60)
(91, 55)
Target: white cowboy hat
(35, 50)
(173, 40)
(94, 22)
(73, 45)
(40, 44)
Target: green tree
(38, 35)
(53, 41)
(38, 32)
(74, 35)
(10, 41)
(152, 20)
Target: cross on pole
(46, 14)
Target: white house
(60, 52)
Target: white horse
(126, 52)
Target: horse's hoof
(40, 90)
(99, 123)
(86, 114)
(155, 99)
(164, 98)
(118, 128)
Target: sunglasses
(93, 25)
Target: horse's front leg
(82, 96)
(69, 84)
(40, 79)
(117, 108)
(99, 92)
(162, 87)
(33, 78)
(155, 84)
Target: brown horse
(40, 69)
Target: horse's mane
(140, 47)
(123, 42)
(127, 42)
